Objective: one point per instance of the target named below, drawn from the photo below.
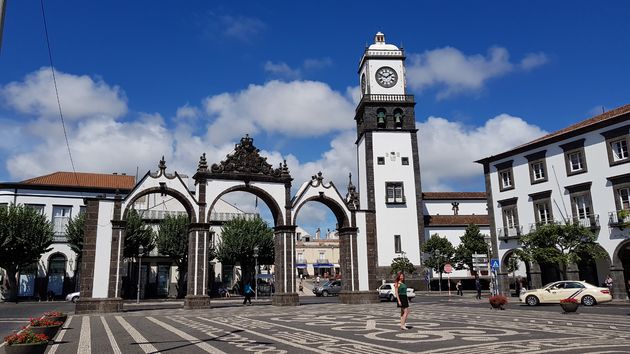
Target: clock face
(363, 83)
(386, 77)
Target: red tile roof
(456, 220)
(592, 123)
(453, 195)
(84, 180)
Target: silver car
(328, 288)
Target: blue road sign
(494, 263)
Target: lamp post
(256, 272)
(140, 252)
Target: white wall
(466, 207)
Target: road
(438, 325)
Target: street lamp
(256, 272)
(140, 252)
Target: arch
(333, 205)
(398, 118)
(276, 212)
(166, 191)
(515, 279)
(381, 115)
(616, 256)
(58, 258)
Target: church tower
(388, 162)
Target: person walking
(400, 289)
(478, 287)
(248, 292)
(460, 290)
(609, 284)
(301, 287)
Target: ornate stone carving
(246, 160)
(352, 197)
(203, 164)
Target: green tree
(137, 233)
(440, 251)
(561, 244)
(25, 234)
(74, 234)
(402, 264)
(239, 237)
(172, 241)
(472, 242)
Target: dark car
(328, 288)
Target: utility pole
(3, 8)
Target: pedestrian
(478, 287)
(609, 284)
(400, 289)
(459, 287)
(492, 289)
(317, 280)
(301, 287)
(248, 292)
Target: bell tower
(389, 164)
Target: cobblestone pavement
(337, 328)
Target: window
(619, 149)
(380, 160)
(61, 217)
(37, 207)
(543, 212)
(509, 218)
(574, 157)
(397, 246)
(394, 193)
(4, 205)
(82, 209)
(57, 264)
(623, 198)
(405, 161)
(509, 213)
(504, 171)
(537, 167)
(322, 255)
(617, 141)
(581, 206)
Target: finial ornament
(162, 165)
(203, 163)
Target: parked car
(72, 297)
(328, 288)
(386, 292)
(585, 293)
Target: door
(557, 292)
(163, 279)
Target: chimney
(318, 234)
(115, 173)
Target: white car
(552, 293)
(386, 292)
(72, 297)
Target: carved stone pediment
(246, 160)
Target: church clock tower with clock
(390, 196)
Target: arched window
(380, 118)
(57, 264)
(398, 118)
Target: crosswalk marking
(85, 338)
(110, 336)
(140, 340)
(205, 346)
(59, 338)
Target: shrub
(498, 300)
(569, 300)
(25, 337)
(44, 322)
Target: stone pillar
(198, 246)
(503, 281)
(349, 264)
(619, 288)
(573, 272)
(535, 278)
(284, 265)
(98, 284)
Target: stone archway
(620, 270)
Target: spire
(352, 197)
(162, 165)
(203, 164)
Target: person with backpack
(248, 292)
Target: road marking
(371, 324)
(53, 348)
(13, 321)
(110, 336)
(516, 320)
(140, 340)
(532, 321)
(198, 342)
(613, 327)
(549, 322)
(85, 337)
(589, 325)
(569, 324)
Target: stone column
(198, 246)
(284, 264)
(619, 288)
(535, 281)
(349, 264)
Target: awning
(265, 276)
(301, 265)
(322, 265)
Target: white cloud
(298, 109)
(241, 27)
(453, 72)
(533, 60)
(80, 96)
(448, 149)
(282, 70)
(315, 64)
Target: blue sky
(142, 79)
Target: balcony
(232, 216)
(151, 214)
(619, 218)
(510, 233)
(60, 237)
(534, 226)
(387, 98)
(590, 221)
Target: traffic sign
(494, 263)
(448, 268)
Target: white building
(577, 174)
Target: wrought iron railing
(60, 238)
(590, 221)
(387, 98)
(231, 216)
(509, 233)
(619, 217)
(151, 214)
